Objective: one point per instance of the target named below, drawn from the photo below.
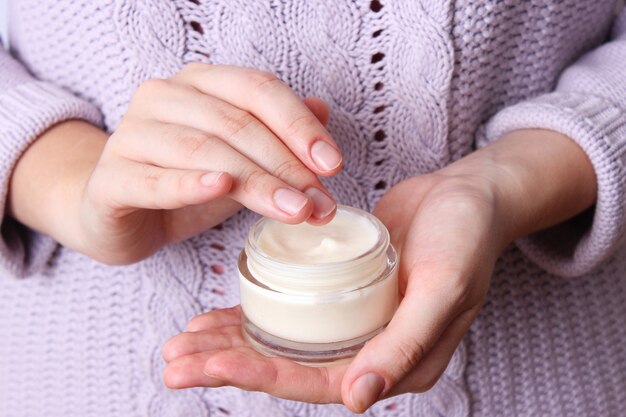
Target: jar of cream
(316, 294)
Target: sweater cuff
(598, 126)
(26, 111)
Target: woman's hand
(188, 153)
(449, 228)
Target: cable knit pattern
(412, 86)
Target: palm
(214, 353)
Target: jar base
(309, 354)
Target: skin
(119, 199)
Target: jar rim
(390, 267)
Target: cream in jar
(316, 294)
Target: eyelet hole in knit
(195, 2)
(377, 57)
(375, 6)
(381, 185)
(217, 246)
(380, 135)
(217, 268)
(379, 162)
(379, 86)
(379, 109)
(197, 27)
(377, 33)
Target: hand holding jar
(449, 228)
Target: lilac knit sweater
(412, 86)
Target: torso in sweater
(409, 85)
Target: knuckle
(410, 352)
(150, 178)
(292, 169)
(196, 145)
(171, 349)
(262, 81)
(185, 187)
(302, 124)
(151, 88)
(251, 179)
(235, 122)
(326, 384)
(194, 67)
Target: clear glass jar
(319, 311)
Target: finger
(276, 105)
(389, 357)
(178, 146)
(252, 186)
(136, 185)
(427, 372)
(187, 372)
(189, 343)
(251, 371)
(187, 107)
(319, 108)
(215, 319)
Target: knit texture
(412, 86)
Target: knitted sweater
(412, 86)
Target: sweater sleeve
(589, 106)
(27, 108)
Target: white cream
(319, 284)
(347, 236)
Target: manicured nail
(210, 178)
(291, 202)
(325, 156)
(366, 390)
(323, 205)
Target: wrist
(49, 179)
(538, 178)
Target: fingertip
(166, 351)
(173, 378)
(293, 206)
(326, 157)
(324, 206)
(218, 182)
(366, 390)
(211, 185)
(176, 347)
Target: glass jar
(316, 294)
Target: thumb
(386, 359)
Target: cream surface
(347, 236)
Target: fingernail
(323, 205)
(291, 202)
(325, 156)
(210, 178)
(366, 390)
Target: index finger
(276, 105)
(247, 369)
